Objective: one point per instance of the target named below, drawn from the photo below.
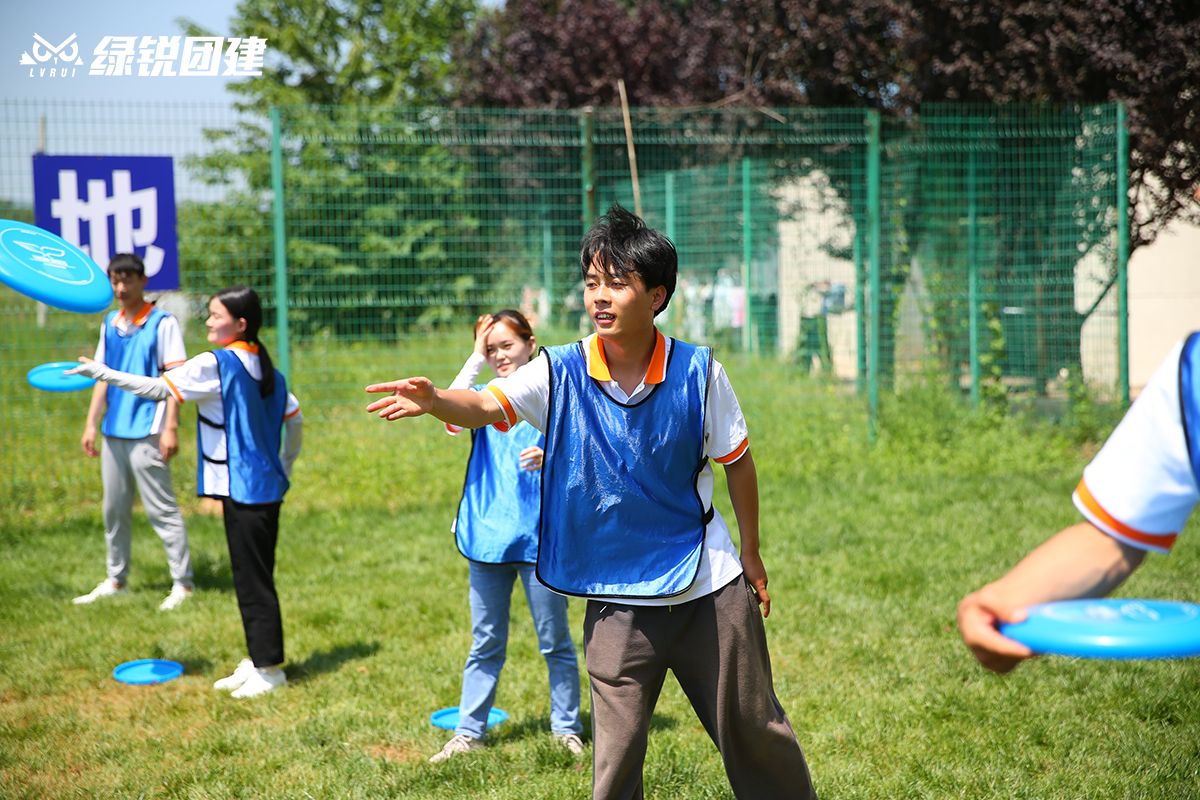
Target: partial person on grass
(496, 530)
(631, 420)
(243, 410)
(1135, 496)
(140, 435)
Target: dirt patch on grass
(397, 753)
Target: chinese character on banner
(157, 56)
(112, 204)
(244, 57)
(201, 55)
(114, 56)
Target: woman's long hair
(242, 303)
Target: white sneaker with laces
(107, 588)
(261, 681)
(459, 744)
(571, 741)
(239, 676)
(178, 594)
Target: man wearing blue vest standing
(632, 420)
(140, 436)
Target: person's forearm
(466, 408)
(149, 388)
(1080, 561)
(171, 417)
(742, 480)
(98, 404)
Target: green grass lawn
(868, 550)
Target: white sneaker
(107, 588)
(239, 676)
(571, 741)
(178, 594)
(261, 681)
(459, 744)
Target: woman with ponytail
(243, 410)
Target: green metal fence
(828, 255)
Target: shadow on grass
(330, 660)
(540, 726)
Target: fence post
(280, 245)
(547, 263)
(1122, 255)
(875, 229)
(587, 125)
(748, 335)
(973, 277)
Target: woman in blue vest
(496, 530)
(243, 411)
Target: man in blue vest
(632, 421)
(140, 436)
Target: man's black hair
(127, 262)
(621, 244)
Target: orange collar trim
(655, 373)
(240, 345)
(143, 312)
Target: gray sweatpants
(717, 647)
(124, 464)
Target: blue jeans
(491, 595)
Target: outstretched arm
(742, 480)
(1080, 561)
(412, 397)
(149, 388)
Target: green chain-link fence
(826, 254)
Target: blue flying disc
(148, 670)
(448, 718)
(1121, 629)
(50, 378)
(50, 269)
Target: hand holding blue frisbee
(147, 671)
(50, 269)
(448, 718)
(50, 378)
(1119, 629)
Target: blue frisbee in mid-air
(148, 670)
(50, 269)
(1111, 628)
(50, 378)
(448, 718)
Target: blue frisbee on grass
(448, 718)
(50, 378)
(148, 670)
(50, 269)
(1111, 628)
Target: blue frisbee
(1115, 629)
(448, 718)
(50, 378)
(148, 670)
(50, 269)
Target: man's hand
(168, 443)
(88, 441)
(756, 574)
(410, 397)
(978, 618)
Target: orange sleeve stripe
(1163, 540)
(736, 454)
(174, 364)
(510, 416)
(174, 391)
(294, 413)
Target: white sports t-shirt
(525, 395)
(171, 352)
(199, 381)
(1140, 487)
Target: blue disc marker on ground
(448, 718)
(50, 269)
(148, 670)
(50, 378)
(1112, 628)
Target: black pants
(251, 531)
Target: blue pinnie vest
(498, 515)
(253, 430)
(129, 416)
(1189, 398)
(621, 516)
